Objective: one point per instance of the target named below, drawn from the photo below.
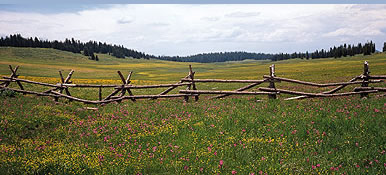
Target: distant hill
(75, 46)
(90, 48)
(219, 57)
(335, 51)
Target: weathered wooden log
(61, 77)
(341, 86)
(381, 89)
(221, 81)
(131, 94)
(112, 94)
(327, 92)
(67, 92)
(313, 94)
(28, 92)
(48, 91)
(121, 76)
(90, 85)
(240, 89)
(173, 87)
(67, 80)
(128, 78)
(76, 99)
(154, 96)
(320, 85)
(20, 85)
(13, 74)
(31, 82)
(224, 92)
(151, 86)
(119, 98)
(377, 77)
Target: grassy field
(226, 136)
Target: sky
(186, 29)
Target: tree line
(88, 49)
(336, 52)
(218, 57)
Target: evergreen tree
(74, 46)
(384, 47)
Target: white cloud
(189, 29)
(241, 14)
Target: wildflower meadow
(234, 135)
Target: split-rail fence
(61, 89)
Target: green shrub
(7, 93)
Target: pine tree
(307, 55)
(92, 56)
(384, 47)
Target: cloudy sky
(171, 29)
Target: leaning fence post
(366, 75)
(272, 81)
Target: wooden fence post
(186, 98)
(366, 75)
(191, 75)
(14, 75)
(272, 81)
(64, 81)
(100, 93)
(125, 82)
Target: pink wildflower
(294, 131)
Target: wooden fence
(119, 91)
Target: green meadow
(234, 135)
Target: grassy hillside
(344, 135)
(38, 62)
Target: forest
(90, 48)
(335, 51)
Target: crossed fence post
(272, 81)
(12, 76)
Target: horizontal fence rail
(118, 94)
